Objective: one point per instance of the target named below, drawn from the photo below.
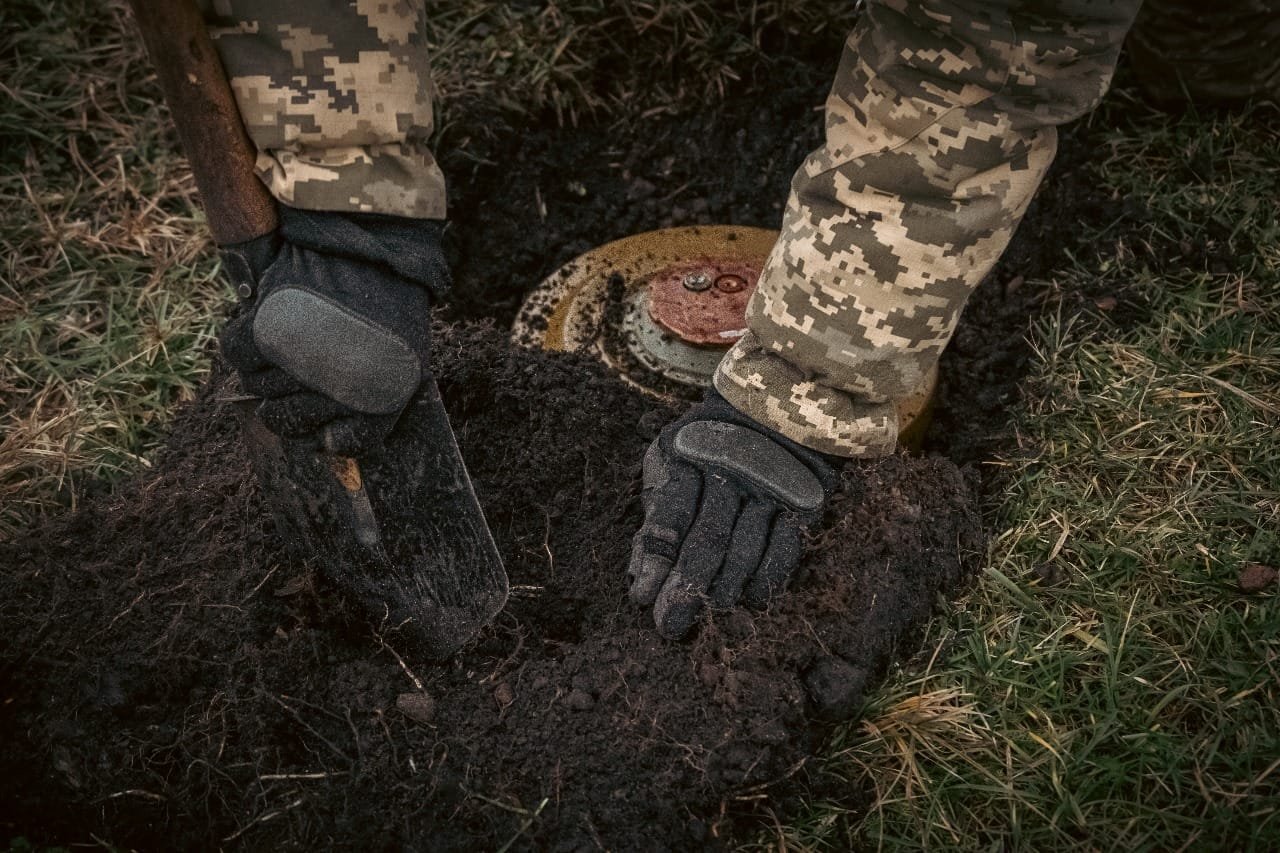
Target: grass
(108, 300)
(1107, 685)
(588, 57)
(1104, 685)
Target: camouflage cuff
(336, 95)
(397, 179)
(940, 124)
(768, 388)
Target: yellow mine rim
(564, 312)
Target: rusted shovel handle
(347, 472)
(222, 156)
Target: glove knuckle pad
(337, 352)
(753, 459)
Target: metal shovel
(399, 530)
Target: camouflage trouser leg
(940, 125)
(336, 96)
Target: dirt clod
(1051, 573)
(1256, 577)
(580, 700)
(418, 707)
(835, 687)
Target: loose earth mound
(173, 678)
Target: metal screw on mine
(730, 283)
(697, 282)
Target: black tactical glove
(335, 335)
(726, 502)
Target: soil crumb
(172, 678)
(1256, 577)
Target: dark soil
(171, 678)
(174, 679)
(523, 205)
(548, 194)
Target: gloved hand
(726, 502)
(335, 331)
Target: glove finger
(656, 469)
(270, 383)
(750, 538)
(780, 559)
(669, 510)
(701, 555)
(238, 348)
(299, 414)
(358, 434)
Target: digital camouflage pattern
(941, 124)
(336, 96)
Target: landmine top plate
(711, 314)
(565, 312)
(568, 310)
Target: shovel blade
(399, 529)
